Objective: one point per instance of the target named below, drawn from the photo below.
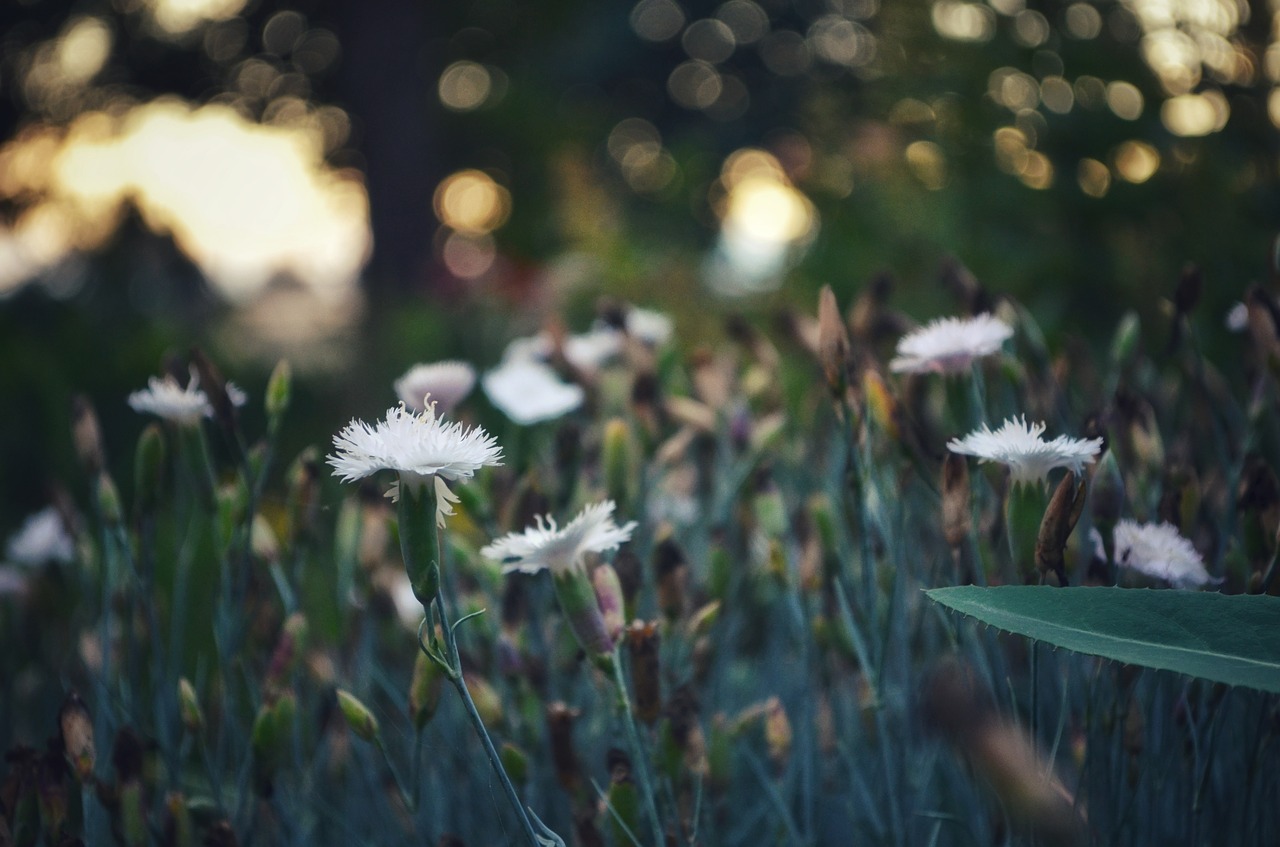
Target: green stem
(637, 751)
(455, 676)
(405, 797)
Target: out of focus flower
(547, 546)
(529, 392)
(417, 445)
(165, 398)
(950, 345)
(651, 327)
(42, 539)
(1237, 319)
(1158, 550)
(447, 384)
(1028, 456)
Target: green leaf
(1223, 638)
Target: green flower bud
(357, 715)
(424, 690)
(581, 609)
(109, 499)
(1125, 341)
(279, 389)
(515, 762)
(617, 460)
(148, 469)
(189, 706)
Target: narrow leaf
(1223, 638)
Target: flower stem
(637, 751)
(460, 683)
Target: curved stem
(451, 646)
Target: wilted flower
(1029, 457)
(43, 538)
(560, 550)
(949, 345)
(529, 392)
(1159, 550)
(447, 383)
(417, 445)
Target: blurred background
(360, 186)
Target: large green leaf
(1224, 638)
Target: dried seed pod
(76, 726)
(560, 720)
(833, 343)
(642, 642)
(1059, 519)
(957, 518)
(86, 433)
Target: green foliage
(1232, 639)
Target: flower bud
(189, 706)
(1059, 519)
(109, 500)
(86, 433)
(672, 572)
(357, 715)
(303, 476)
(179, 830)
(515, 762)
(1125, 341)
(560, 720)
(777, 733)
(881, 405)
(263, 541)
(148, 469)
(289, 646)
(617, 460)
(279, 389)
(686, 729)
(581, 609)
(76, 725)
(623, 799)
(488, 701)
(833, 342)
(215, 387)
(609, 598)
(424, 690)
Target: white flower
(1237, 319)
(1158, 550)
(653, 328)
(949, 345)
(167, 399)
(417, 445)
(1029, 457)
(43, 538)
(587, 352)
(447, 383)
(561, 550)
(529, 392)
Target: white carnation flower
(43, 538)
(950, 345)
(417, 445)
(165, 398)
(529, 392)
(1160, 551)
(447, 384)
(651, 327)
(1028, 456)
(545, 546)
